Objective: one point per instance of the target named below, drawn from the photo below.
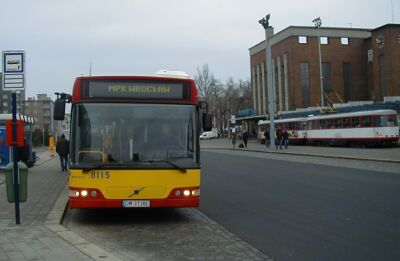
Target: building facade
(356, 66)
(41, 109)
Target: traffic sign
(13, 70)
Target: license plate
(135, 203)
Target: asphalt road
(303, 211)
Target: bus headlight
(196, 192)
(177, 193)
(186, 192)
(84, 193)
(74, 193)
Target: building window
(347, 81)
(324, 40)
(302, 39)
(344, 40)
(305, 83)
(326, 76)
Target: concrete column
(273, 82)
(280, 100)
(285, 71)
(254, 87)
(263, 87)
(259, 88)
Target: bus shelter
(5, 151)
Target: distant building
(357, 65)
(41, 109)
(66, 124)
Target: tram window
(355, 122)
(346, 122)
(322, 124)
(389, 121)
(366, 121)
(378, 121)
(338, 123)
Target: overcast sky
(139, 37)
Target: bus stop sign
(20, 133)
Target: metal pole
(15, 163)
(317, 22)
(320, 71)
(271, 107)
(271, 94)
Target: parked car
(209, 135)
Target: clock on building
(380, 41)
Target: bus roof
(161, 88)
(261, 122)
(353, 114)
(173, 74)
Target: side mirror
(207, 122)
(59, 109)
(59, 106)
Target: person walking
(267, 138)
(62, 149)
(285, 136)
(245, 138)
(278, 134)
(234, 139)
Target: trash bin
(23, 182)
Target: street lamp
(265, 23)
(317, 23)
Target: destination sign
(137, 90)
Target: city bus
(134, 141)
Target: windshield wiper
(100, 166)
(183, 170)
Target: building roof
(310, 31)
(386, 26)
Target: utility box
(23, 182)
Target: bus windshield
(133, 135)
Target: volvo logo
(136, 191)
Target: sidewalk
(391, 155)
(34, 238)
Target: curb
(54, 223)
(310, 155)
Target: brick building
(357, 65)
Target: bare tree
(206, 82)
(225, 99)
(246, 98)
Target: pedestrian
(285, 137)
(267, 138)
(278, 137)
(233, 139)
(62, 149)
(245, 138)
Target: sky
(139, 37)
